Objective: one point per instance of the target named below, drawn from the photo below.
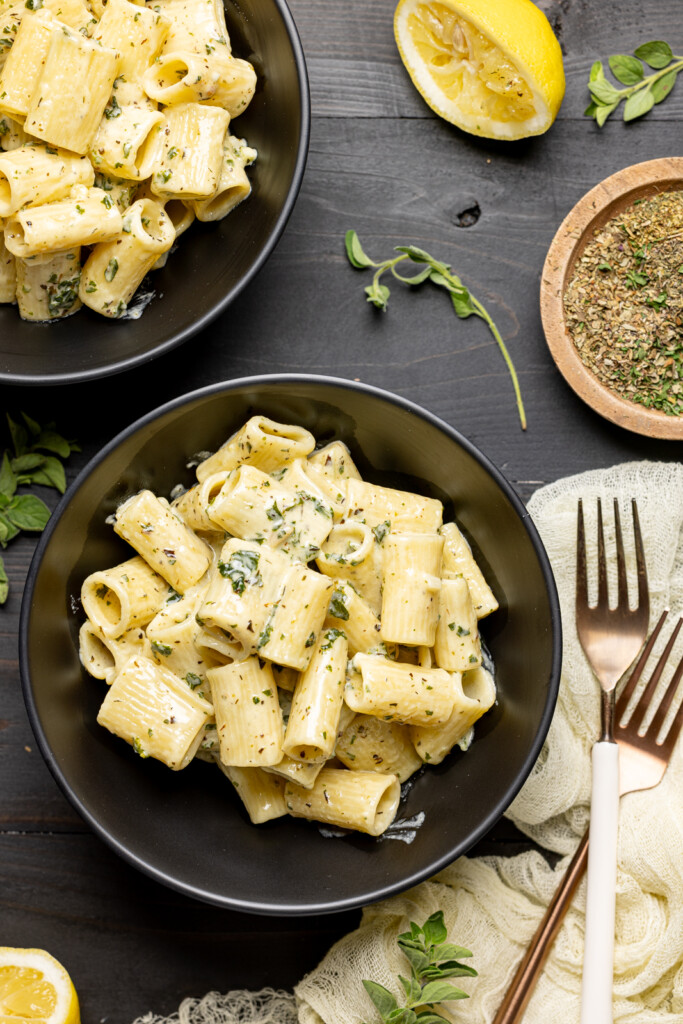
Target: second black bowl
(212, 262)
(188, 829)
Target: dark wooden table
(382, 163)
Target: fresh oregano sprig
(642, 91)
(432, 959)
(34, 458)
(440, 274)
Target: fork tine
(581, 572)
(634, 678)
(643, 591)
(622, 586)
(645, 698)
(603, 601)
(665, 704)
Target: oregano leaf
(8, 480)
(434, 929)
(4, 583)
(597, 72)
(28, 512)
(603, 112)
(49, 441)
(627, 70)
(50, 474)
(663, 86)
(656, 53)
(603, 91)
(355, 253)
(381, 997)
(440, 991)
(638, 104)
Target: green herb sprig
(432, 958)
(440, 274)
(642, 91)
(34, 458)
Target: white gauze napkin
(493, 905)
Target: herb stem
(506, 356)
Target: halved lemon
(35, 989)
(491, 67)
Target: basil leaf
(438, 991)
(18, 435)
(355, 253)
(7, 530)
(8, 481)
(52, 442)
(663, 86)
(627, 70)
(28, 512)
(381, 997)
(50, 474)
(33, 427)
(4, 583)
(24, 463)
(638, 104)
(655, 53)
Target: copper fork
(611, 639)
(643, 763)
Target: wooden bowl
(597, 207)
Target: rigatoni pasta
(319, 659)
(101, 100)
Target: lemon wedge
(35, 989)
(491, 67)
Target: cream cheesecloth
(492, 905)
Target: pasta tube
(172, 634)
(351, 553)
(348, 611)
(103, 656)
(311, 731)
(137, 33)
(475, 693)
(125, 144)
(261, 442)
(248, 716)
(303, 773)
(12, 135)
(188, 163)
(192, 504)
(261, 793)
(125, 596)
(370, 744)
(400, 693)
(365, 801)
(197, 25)
(24, 64)
(458, 560)
(32, 175)
(155, 712)
(47, 286)
(114, 270)
(71, 94)
(411, 585)
(233, 185)
(404, 511)
(163, 540)
(8, 273)
(85, 217)
(186, 77)
(457, 647)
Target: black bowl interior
(213, 261)
(188, 829)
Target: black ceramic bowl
(213, 262)
(188, 829)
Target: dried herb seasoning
(624, 303)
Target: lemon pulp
(493, 70)
(35, 989)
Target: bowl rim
(84, 375)
(595, 208)
(332, 905)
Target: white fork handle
(598, 958)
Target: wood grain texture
(382, 163)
